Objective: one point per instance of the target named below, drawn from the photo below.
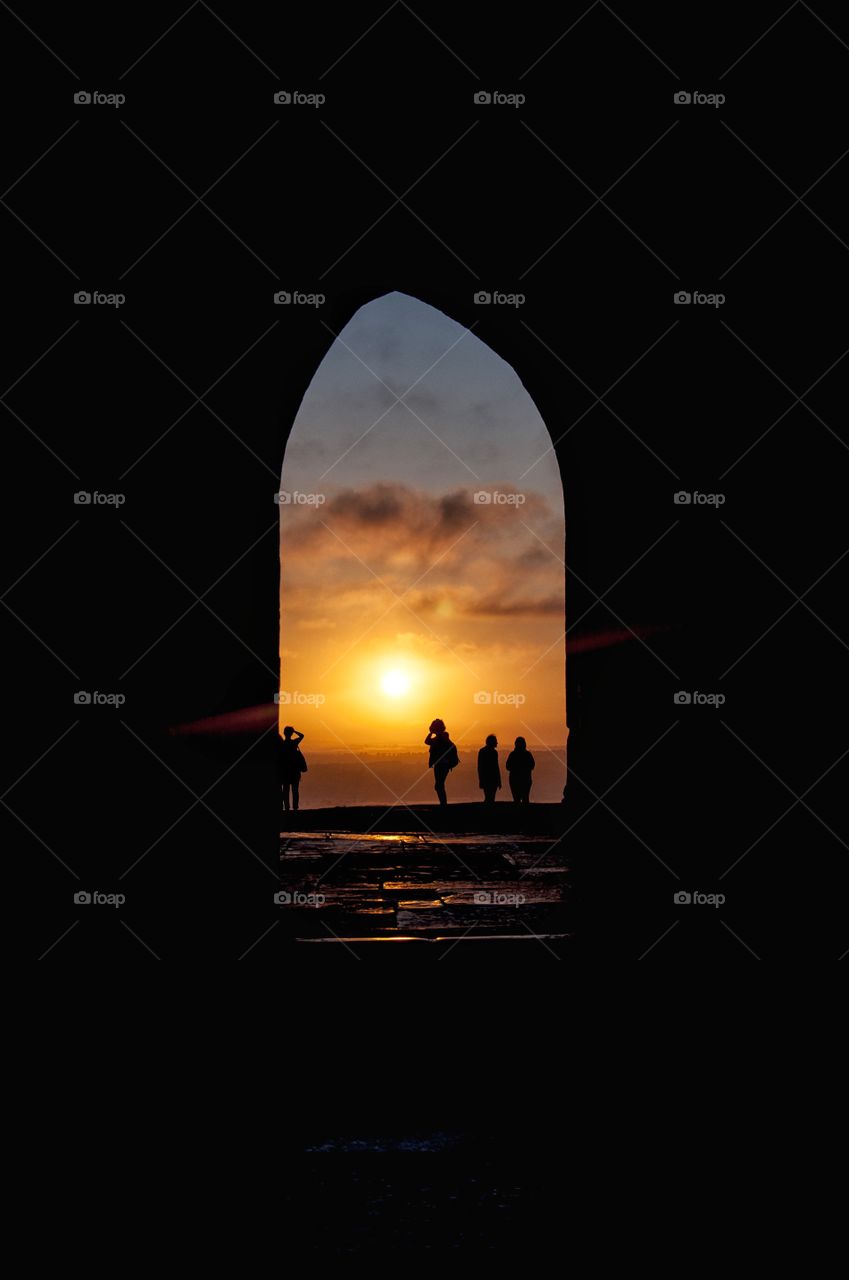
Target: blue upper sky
(472, 422)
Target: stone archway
(422, 538)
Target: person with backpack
(520, 766)
(291, 764)
(443, 756)
(489, 774)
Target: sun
(395, 684)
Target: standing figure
(520, 766)
(443, 756)
(489, 774)
(291, 763)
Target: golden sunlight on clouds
(460, 618)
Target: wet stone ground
(421, 887)
(402, 1195)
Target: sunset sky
(402, 597)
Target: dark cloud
(416, 520)
(499, 607)
(456, 511)
(474, 560)
(415, 513)
(380, 505)
(532, 557)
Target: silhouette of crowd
(442, 758)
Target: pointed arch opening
(422, 566)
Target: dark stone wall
(296, 198)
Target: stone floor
(352, 888)
(437, 1195)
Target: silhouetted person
(520, 766)
(489, 774)
(292, 764)
(443, 756)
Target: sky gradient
(403, 595)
